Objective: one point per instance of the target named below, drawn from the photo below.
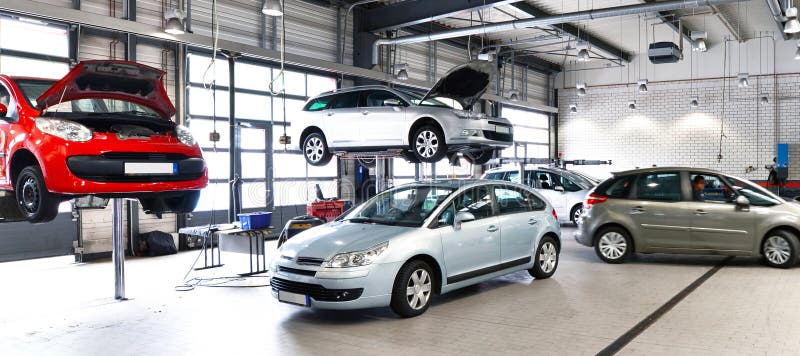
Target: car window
(318, 104)
(7, 100)
(495, 175)
(477, 201)
(755, 194)
(405, 206)
(709, 188)
(568, 185)
(375, 98)
(616, 187)
(511, 201)
(345, 100)
(545, 182)
(664, 186)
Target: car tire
(315, 149)
(576, 211)
(427, 144)
(35, 202)
(479, 157)
(410, 305)
(780, 249)
(545, 259)
(613, 245)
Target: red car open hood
(121, 80)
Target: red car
(102, 130)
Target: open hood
(119, 80)
(465, 83)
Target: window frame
(362, 102)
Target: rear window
(616, 187)
(495, 176)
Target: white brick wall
(666, 131)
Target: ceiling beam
(414, 12)
(572, 31)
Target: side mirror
(462, 217)
(559, 188)
(742, 201)
(3, 110)
(392, 102)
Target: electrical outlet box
(285, 140)
(214, 136)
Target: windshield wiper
(135, 113)
(360, 220)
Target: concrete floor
(54, 307)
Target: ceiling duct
(546, 21)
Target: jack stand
(118, 249)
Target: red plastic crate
(327, 210)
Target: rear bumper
(583, 234)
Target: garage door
(20, 241)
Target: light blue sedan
(411, 242)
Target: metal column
(235, 173)
(380, 175)
(118, 249)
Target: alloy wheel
(418, 289)
(612, 245)
(777, 250)
(577, 214)
(548, 257)
(427, 144)
(315, 149)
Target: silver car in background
(423, 128)
(564, 189)
(688, 210)
(412, 242)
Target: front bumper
(329, 288)
(492, 134)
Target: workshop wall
(666, 131)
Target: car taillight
(554, 214)
(593, 199)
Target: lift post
(118, 249)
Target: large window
(32, 48)
(261, 121)
(531, 133)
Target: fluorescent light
(272, 8)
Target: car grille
(310, 261)
(301, 272)
(497, 123)
(496, 136)
(145, 156)
(316, 291)
(110, 167)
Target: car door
(520, 218)
(342, 121)
(547, 187)
(383, 118)
(716, 221)
(474, 247)
(660, 211)
(5, 125)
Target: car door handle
(700, 212)
(330, 114)
(533, 221)
(364, 112)
(492, 228)
(637, 210)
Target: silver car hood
(327, 240)
(465, 83)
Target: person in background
(698, 184)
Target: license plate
(293, 298)
(502, 129)
(142, 168)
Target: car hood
(465, 83)
(121, 80)
(327, 240)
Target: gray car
(412, 242)
(423, 128)
(691, 211)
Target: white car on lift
(564, 189)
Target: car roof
(458, 183)
(356, 88)
(666, 169)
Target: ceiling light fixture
(642, 86)
(632, 105)
(513, 95)
(583, 51)
(792, 25)
(694, 102)
(699, 38)
(573, 108)
(743, 83)
(581, 89)
(402, 71)
(272, 8)
(764, 100)
(174, 23)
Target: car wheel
(428, 144)
(545, 261)
(780, 249)
(576, 212)
(613, 245)
(35, 202)
(478, 157)
(315, 149)
(413, 289)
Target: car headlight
(68, 130)
(184, 135)
(357, 258)
(462, 114)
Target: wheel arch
(763, 239)
(19, 160)
(617, 225)
(420, 122)
(437, 270)
(555, 237)
(307, 131)
(572, 210)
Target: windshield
(757, 196)
(33, 89)
(404, 206)
(440, 102)
(592, 180)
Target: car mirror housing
(392, 102)
(559, 188)
(3, 110)
(742, 201)
(462, 217)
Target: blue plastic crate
(257, 220)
